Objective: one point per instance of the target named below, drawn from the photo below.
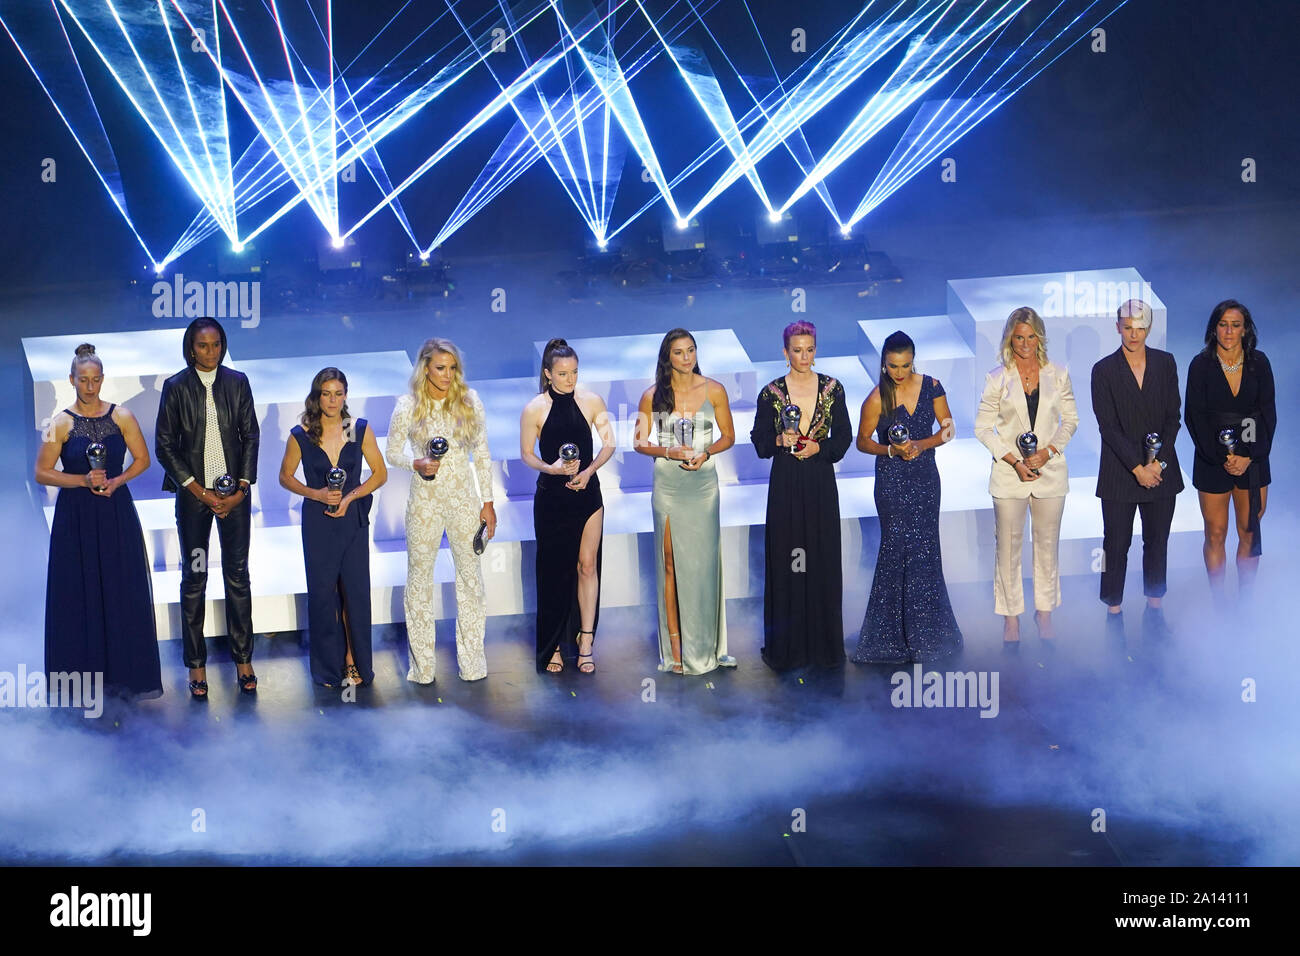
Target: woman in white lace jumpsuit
(457, 500)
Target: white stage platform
(957, 349)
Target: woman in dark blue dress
(909, 616)
(98, 595)
(335, 528)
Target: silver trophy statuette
(97, 456)
(898, 434)
(1228, 439)
(437, 448)
(684, 431)
(225, 486)
(569, 452)
(790, 416)
(1028, 444)
(334, 479)
(1153, 444)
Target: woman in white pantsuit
(1027, 394)
(456, 497)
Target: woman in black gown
(98, 594)
(1230, 387)
(803, 621)
(335, 543)
(909, 616)
(568, 512)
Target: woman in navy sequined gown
(909, 616)
(98, 595)
(335, 544)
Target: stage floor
(523, 768)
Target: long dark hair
(1249, 337)
(555, 349)
(663, 397)
(310, 418)
(897, 342)
(193, 329)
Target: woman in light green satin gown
(688, 545)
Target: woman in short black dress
(1230, 395)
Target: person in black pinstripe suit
(1135, 394)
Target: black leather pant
(194, 523)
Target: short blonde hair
(1023, 316)
(1138, 311)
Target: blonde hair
(1023, 316)
(85, 353)
(458, 400)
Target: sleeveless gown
(687, 501)
(98, 594)
(336, 555)
(909, 617)
(559, 517)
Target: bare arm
(48, 455)
(378, 470)
(530, 428)
(943, 417)
(867, 423)
(643, 438)
(604, 428)
(288, 473)
(722, 411)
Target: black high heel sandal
(589, 662)
(247, 682)
(196, 686)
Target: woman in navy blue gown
(335, 543)
(98, 595)
(909, 616)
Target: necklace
(1234, 367)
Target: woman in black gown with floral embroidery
(802, 618)
(909, 616)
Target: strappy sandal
(676, 667)
(247, 682)
(556, 664)
(351, 675)
(589, 663)
(199, 689)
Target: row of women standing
(99, 613)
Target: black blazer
(182, 426)
(1126, 414)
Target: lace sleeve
(398, 429)
(482, 456)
